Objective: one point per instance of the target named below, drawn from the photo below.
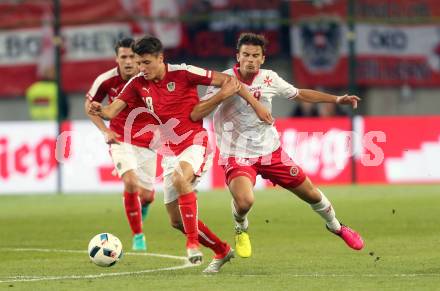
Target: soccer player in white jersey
(134, 162)
(249, 147)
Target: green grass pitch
(291, 248)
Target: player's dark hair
(126, 42)
(148, 45)
(252, 39)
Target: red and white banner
(320, 148)
(384, 153)
(386, 54)
(89, 31)
(27, 157)
(407, 150)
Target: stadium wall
(387, 150)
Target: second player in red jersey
(133, 161)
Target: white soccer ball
(105, 249)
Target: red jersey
(110, 84)
(171, 101)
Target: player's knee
(245, 202)
(130, 183)
(146, 195)
(314, 195)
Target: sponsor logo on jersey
(268, 81)
(171, 86)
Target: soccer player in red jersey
(169, 93)
(249, 148)
(134, 162)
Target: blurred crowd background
(387, 52)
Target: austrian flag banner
(388, 50)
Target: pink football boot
(351, 237)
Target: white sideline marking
(403, 275)
(185, 265)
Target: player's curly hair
(148, 45)
(126, 42)
(252, 39)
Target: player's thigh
(170, 193)
(234, 167)
(194, 155)
(190, 165)
(197, 157)
(240, 178)
(241, 188)
(123, 158)
(184, 172)
(146, 194)
(130, 178)
(146, 167)
(199, 162)
(282, 170)
(203, 171)
(307, 192)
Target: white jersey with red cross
(238, 129)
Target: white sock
(325, 209)
(241, 221)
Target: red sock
(210, 240)
(133, 211)
(188, 212)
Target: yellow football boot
(243, 246)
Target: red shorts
(277, 167)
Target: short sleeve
(198, 76)
(98, 91)
(210, 92)
(129, 93)
(284, 89)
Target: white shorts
(196, 156)
(130, 157)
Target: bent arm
(218, 79)
(111, 111)
(99, 123)
(204, 108)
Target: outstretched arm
(262, 112)
(313, 96)
(106, 112)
